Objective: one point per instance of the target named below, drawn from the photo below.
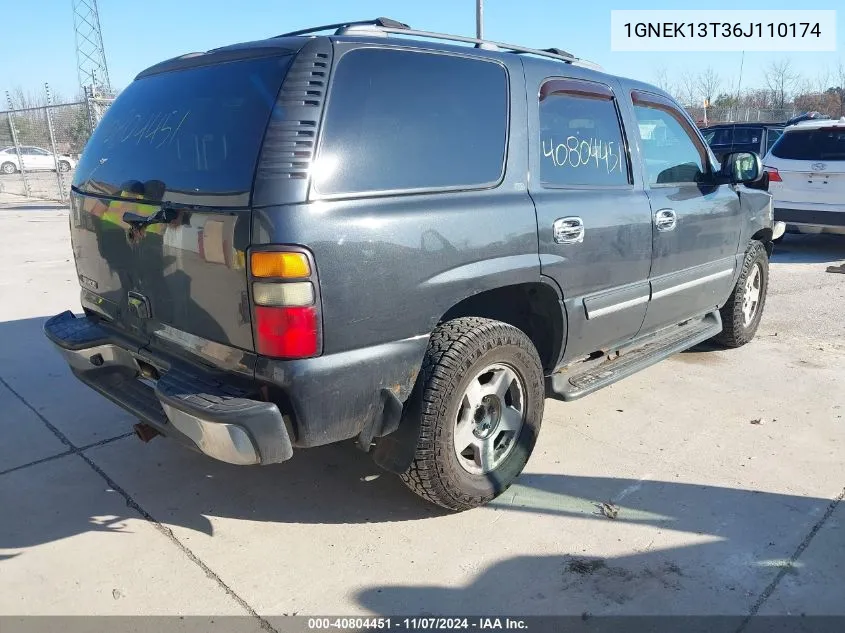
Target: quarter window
(406, 120)
(581, 141)
(772, 138)
(672, 151)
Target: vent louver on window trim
(291, 137)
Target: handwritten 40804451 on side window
(581, 141)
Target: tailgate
(811, 164)
(161, 201)
(817, 187)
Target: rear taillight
(287, 332)
(774, 176)
(286, 304)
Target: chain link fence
(40, 146)
(741, 115)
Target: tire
(8, 168)
(64, 166)
(465, 360)
(737, 328)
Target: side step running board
(574, 383)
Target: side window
(772, 138)
(406, 120)
(747, 135)
(672, 152)
(720, 136)
(580, 137)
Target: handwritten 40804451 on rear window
(405, 238)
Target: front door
(593, 216)
(695, 222)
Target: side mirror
(742, 168)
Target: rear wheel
(482, 405)
(742, 313)
(8, 168)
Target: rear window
(818, 144)
(747, 135)
(403, 120)
(719, 136)
(195, 131)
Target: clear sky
(37, 45)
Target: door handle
(568, 230)
(165, 215)
(665, 220)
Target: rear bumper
(811, 217)
(200, 410)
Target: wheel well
(765, 236)
(534, 308)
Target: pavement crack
(131, 503)
(108, 440)
(71, 451)
(785, 569)
(36, 462)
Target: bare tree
(686, 90)
(822, 80)
(781, 80)
(839, 88)
(707, 84)
(22, 99)
(663, 81)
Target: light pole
(479, 19)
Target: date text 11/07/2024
(416, 624)
(722, 29)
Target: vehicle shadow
(339, 485)
(799, 248)
(735, 543)
(35, 205)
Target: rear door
(42, 159)
(29, 158)
(161, 201)
(593, 217)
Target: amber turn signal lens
(279, 265)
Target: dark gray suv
(404, 238)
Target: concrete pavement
(717, 513)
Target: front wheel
(64, 166)
(742, 313)
(8, 168)
(481, 409)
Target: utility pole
(90, 54)
(739, 83)
(479, 19)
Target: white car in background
(806, 169)
(34, 159)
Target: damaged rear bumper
(180, 401)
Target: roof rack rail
(553, 53)
(388, 26)
(378, 22)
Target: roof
(814, 124)
(360, 31)
(743, 124)
(382, 30)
